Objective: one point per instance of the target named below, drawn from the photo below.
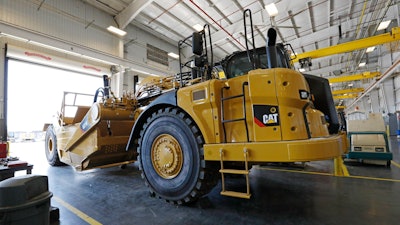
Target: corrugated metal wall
(69, 24)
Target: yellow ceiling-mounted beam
(346, 91)
(365, 75)
(394, 35)
(345, 96)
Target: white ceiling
(306, 25)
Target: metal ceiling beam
(324, 34)
(311, 14)
(385, 75)
(223, 29)
(169, 29)
(255, 27)
(223, 16)
(103, 6)
(173, 16)
(235, 28)
(365, 75)
(194, 13)
(291, 16)
(331, 6)
(130, 12)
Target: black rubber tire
(196, 178)
(50, 142)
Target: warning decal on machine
(266, 115)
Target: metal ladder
(243, 96)
(224, 171)
(245, 172)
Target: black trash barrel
(25, 200)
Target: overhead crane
(306, 57)
(347, 91)
(360, 76)
(351, 95)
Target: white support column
(3, 122)
(117, 83)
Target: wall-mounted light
(173, 55)
(117, 31)
(271, 9)
(383, 25)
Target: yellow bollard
(339, 167)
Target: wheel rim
(50, 145)
(166, 156)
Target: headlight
(304, 94)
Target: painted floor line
(329, 174)
(77, 212)
(374, 178)
(296, 171)
(395, 164)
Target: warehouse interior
(133, 57)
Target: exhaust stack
(271, 49)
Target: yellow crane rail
(394, 35)
(346, 91)
(365, 75)
(345, 96)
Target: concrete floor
(280, 195)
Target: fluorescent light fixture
(302, 70)
(198, 27)
(116, 31)
(350, 85)
(362, 64)
(173, 55)
(383, 25)
(370, 49)
(271, 9)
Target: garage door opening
(34, 95)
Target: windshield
(239, 64)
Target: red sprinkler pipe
(216, 23)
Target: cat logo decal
(266, 115)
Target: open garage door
(36, 82)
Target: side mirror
(197, 43)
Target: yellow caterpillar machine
(250, 108)
(91, 132)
